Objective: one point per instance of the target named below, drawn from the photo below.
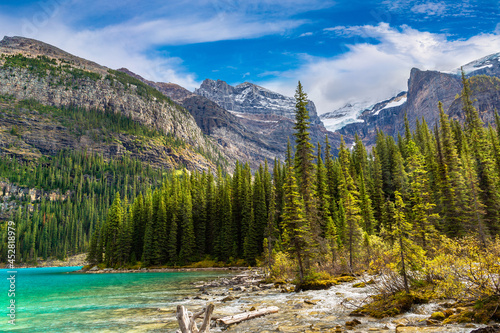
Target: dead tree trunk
(187, 323)
(248, 315)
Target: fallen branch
(247, 315)
(187, 323)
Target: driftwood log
(187, 322)
(248, 315)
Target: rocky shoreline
(311, 311)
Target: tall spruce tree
(297, 235)
(304, 153)
(421, 212)
(113, 225)
(451, 182)
(349, 199)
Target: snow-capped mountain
(345, 115)
(266, 115)
(425, 90)
(248, 99)
(489, 65)
(352, 112)
(359, 112)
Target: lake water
(57, 300)
(60, 300)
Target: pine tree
(138, 226)
(187, 244)
(200, 212)
(297, 235)
(474, 208)
(331, 177)
(451, 182)
(259, 210)
(125, 235)
(303, 150)
(401, 233)
(113, 224)
(94, 256)
(271, 233)
(377, 192)
(365, 204)
(421, 201)
(228, 240)
(323, 199)
(349, 199)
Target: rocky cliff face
(30, 69)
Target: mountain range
(425, 90)
(215, 125)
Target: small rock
(252, 308)
(352, 323)
(311, 301)
(438, 316)
(93, 269)
(402, 321)
(229, 298)
(432, 322)
(298, 306)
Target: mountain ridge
(33, 70)
(425, 90)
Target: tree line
(59, 228)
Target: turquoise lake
(59, 300)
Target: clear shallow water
(56, 300)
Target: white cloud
(377, 71)
(430, 8)
(131, 41)
(426, 8)
(305, 34)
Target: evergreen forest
(407, 206)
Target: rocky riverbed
(311, 311)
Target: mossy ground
(322, 282)
(481, 311)
(392, 305)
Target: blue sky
(342, 51)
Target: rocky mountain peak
(251, 99)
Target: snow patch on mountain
(393, 103)
(333, 124)
(490, 61)
(345, 115)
